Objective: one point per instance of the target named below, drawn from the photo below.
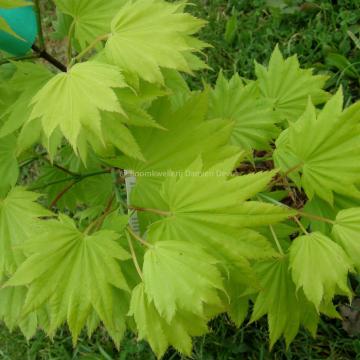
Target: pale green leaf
(285, 308)
(159, 333)
(322, 151)
(185, 135)
(19, 111)
(320, 267)
(254, 122)
(147, 35)
(79, 270)
(210, 208)
(9, 168)
(180, 276)
(11, 303)
(74, 100)
(18, 219)
(346, 231)
(286, 87)
(91, 18)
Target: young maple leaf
(286, 87)
(319, 266)
(91, 18)
(157, 331)
(73, 101)
(147, 35)
(346, 232)
(80, 272)
(170, 280)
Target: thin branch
(292, 169)
(133, 255)
(276, 240)
(49, 58)
(96, 225)
(34, 188)
(89, 48)
(299, 212)
(107, 211)
(154, 211)
(31, 160)
(79, 178)
(61, 194)
(67, 171)
(301, 226)
(316, 217)
(137, 237)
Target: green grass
(240, 32)
(318, 33)
(224, 342)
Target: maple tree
(128, 199)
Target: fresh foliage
(155, 207)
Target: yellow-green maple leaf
(91, 18)
(73, 101)
(147, 35)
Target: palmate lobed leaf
(58, 107)
(346, 232)
(9, 168)
(80, 272)
(286, 87)
(210, 208)
(326, 159)
(91, 18)
(19, 214)
(320, 267)
(179, 276)
(286, 308)
(18, 111)
(254, 121)
(206, 253)
(159, 333)
(147, 35)
(11, 304)
(185, 133)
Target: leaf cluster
(128, 200)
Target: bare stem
(292, 169)
(301, 226)
(89, 48)
(97, 223)
(316, 217)
(276, 240)
(154, 211)
(133, 255)
(79, 178)
(137, 237)
(62, 193)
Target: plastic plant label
(22, 21)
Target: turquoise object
(23, 21)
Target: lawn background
(326, 36)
